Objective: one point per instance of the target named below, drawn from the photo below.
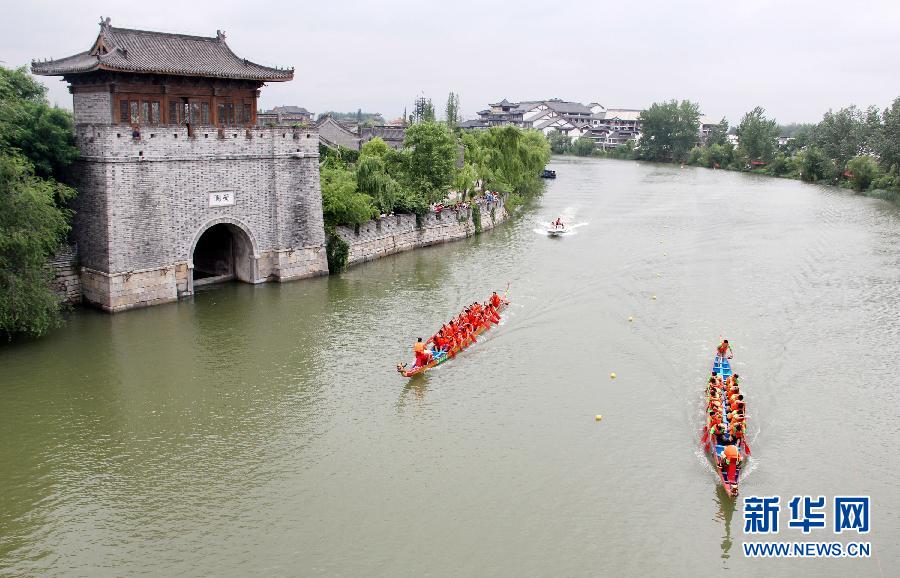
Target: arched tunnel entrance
(223, 253)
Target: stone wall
(393, 136)
(144, 202)
(396, 233)
(93, 107)
(66, 279)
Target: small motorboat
(557, 231)
(548, 174)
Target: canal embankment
(392, 234)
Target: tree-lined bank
(856, 148)
(436, 165)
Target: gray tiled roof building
(177, 187)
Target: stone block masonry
(66, 278)
(93, 107)
(144, 202)
(396, 233)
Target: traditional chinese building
(177, 186)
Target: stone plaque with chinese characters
(221, 199)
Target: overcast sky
(795, 58)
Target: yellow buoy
(659, 274)
(654, 298)
(665, 254)
(598, 417)
(630, 318)
(612, 375)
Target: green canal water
(263, 430)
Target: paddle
(746, 446)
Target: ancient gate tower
(177, 187)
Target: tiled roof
(503, 102)
(562, 123)
(289, 110)
(328, 119)
(142, 51)
(564, 107)
(622, 113)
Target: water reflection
(727, 505)
(416, 386)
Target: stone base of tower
(114, 292)
(120, 291)
(289, 265)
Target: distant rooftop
(289, 110)
(622, 113)
(566, 107)
(473, 124)
(144, 51)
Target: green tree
(451, 111)
(431, 159)
(864, 170)
(373, 180)
(847, 133)
(508, 158)
(813, 164)
(464, 179)
(757, 135)
(374, 148)
(342, 203)
(794, 129)
(718, 135)
(32, 228)
(583, 147)
(28, 125)
(36, 145)
(669, 130)
(560, 142)
(887, 143)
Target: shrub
(337, 252)
(694, 157)
(864, 170)
(814, 165)
(780, 166)
(583, 147)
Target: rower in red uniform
(495, 299)
(423, 356)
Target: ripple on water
(267, 423)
